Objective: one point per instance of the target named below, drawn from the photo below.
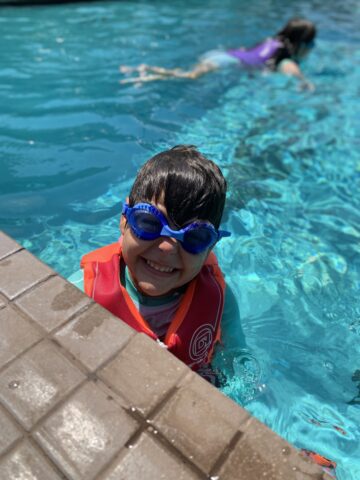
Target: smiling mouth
(159, 268)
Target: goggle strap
(223, 233)
(124, 209)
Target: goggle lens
(199, 238)
(146, 222)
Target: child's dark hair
(188, 184)
(297, 32)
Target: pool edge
(83, 396)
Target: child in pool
(281, 53)
(162, 277)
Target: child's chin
(152, 290)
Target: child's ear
(122, 224)
(123, 220)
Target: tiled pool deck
(82, 396)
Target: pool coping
(83, 396)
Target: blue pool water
(72, 139)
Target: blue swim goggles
(148, 223)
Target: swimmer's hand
(292, 69)
(140, 68)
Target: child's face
(158, 266)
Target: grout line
(158, 437)
(224, 455)
(22, 353)
(77, 362)
(42, 453)
(77, 313)
(44, 417)
(97, 383)
(47, 335)
(45, 455)
(33, 287)
(182, 457)
(147, 426)
(7, 255)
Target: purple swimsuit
(258, 55)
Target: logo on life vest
(200, 342)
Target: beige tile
(9, 431)
(16, 334)
(149, 460)
(200, 421)
(94, 336)
(53, 302)
(260, 453)
(7, 245)
(26, 463)
(19, 272)
(143, 372)
(85, 433)
(36, 382)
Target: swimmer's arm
(292, 69)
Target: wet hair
(188, 184)
(297, 32)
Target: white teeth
(159, 268)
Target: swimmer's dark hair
(190, 185)
(297, 32)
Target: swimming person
(282, 53)
(162, 277)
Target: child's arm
(232, 335)
(237, 369)
(291, 68)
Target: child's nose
(168, 244)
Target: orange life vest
(195, 327)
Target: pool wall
(83, 396)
